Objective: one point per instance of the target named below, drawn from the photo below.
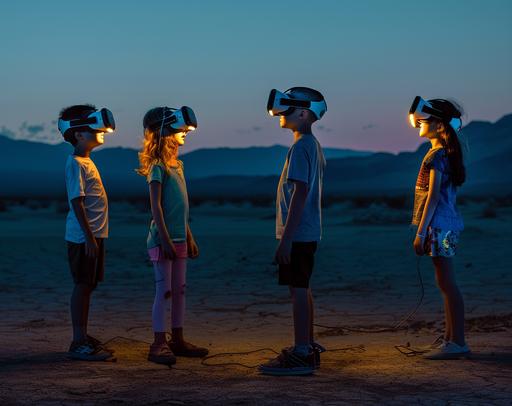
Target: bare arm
(155, 195)
(434, 190)
(91, 247)
(193, 249)
(297, 204)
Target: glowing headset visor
(179, 120)
(282, 104)
(98, 121)
(421, 109)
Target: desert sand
(365, 279)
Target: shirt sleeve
(298, 165)
(74, 180)
(156, 174)
(437, 161)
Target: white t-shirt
(83, 179)
(305, 162)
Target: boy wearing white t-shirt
(86, 222)
(298, 222)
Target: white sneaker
(448, 350)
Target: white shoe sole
(286, 371)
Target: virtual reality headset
(283, 104)
(421, 109)
(98, 121)
(176, 120)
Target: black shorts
(298, 272)
(86, 270)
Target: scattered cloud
(31, 129)
(324, 129)
(251, 130)
(9, 133)
(33, 132)
(368, 126)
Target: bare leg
(448, 336)
(454, 303)
(301, 315)
(79, 305)
(87, 306)
(311, 317)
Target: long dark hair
(450, 140)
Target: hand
(91, 247)
(168, 249)
(419, 245)
(283, 252)
(192, 248)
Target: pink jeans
(170, 285)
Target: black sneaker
(317, 349)
(289, 363)
(98, 344)
(85, 351)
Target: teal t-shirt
(174, 203)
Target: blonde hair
(156, 149)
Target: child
(298, 222)
(170, 240)
(435, 212)
(87, 222)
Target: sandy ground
(365, 278)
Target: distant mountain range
(33, 169)
(39, 167)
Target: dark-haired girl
(436, 216)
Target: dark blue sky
(369, 58)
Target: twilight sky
(369, 59)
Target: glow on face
(424, 128)
(100, 138)
(282, 121)
(180, 137)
